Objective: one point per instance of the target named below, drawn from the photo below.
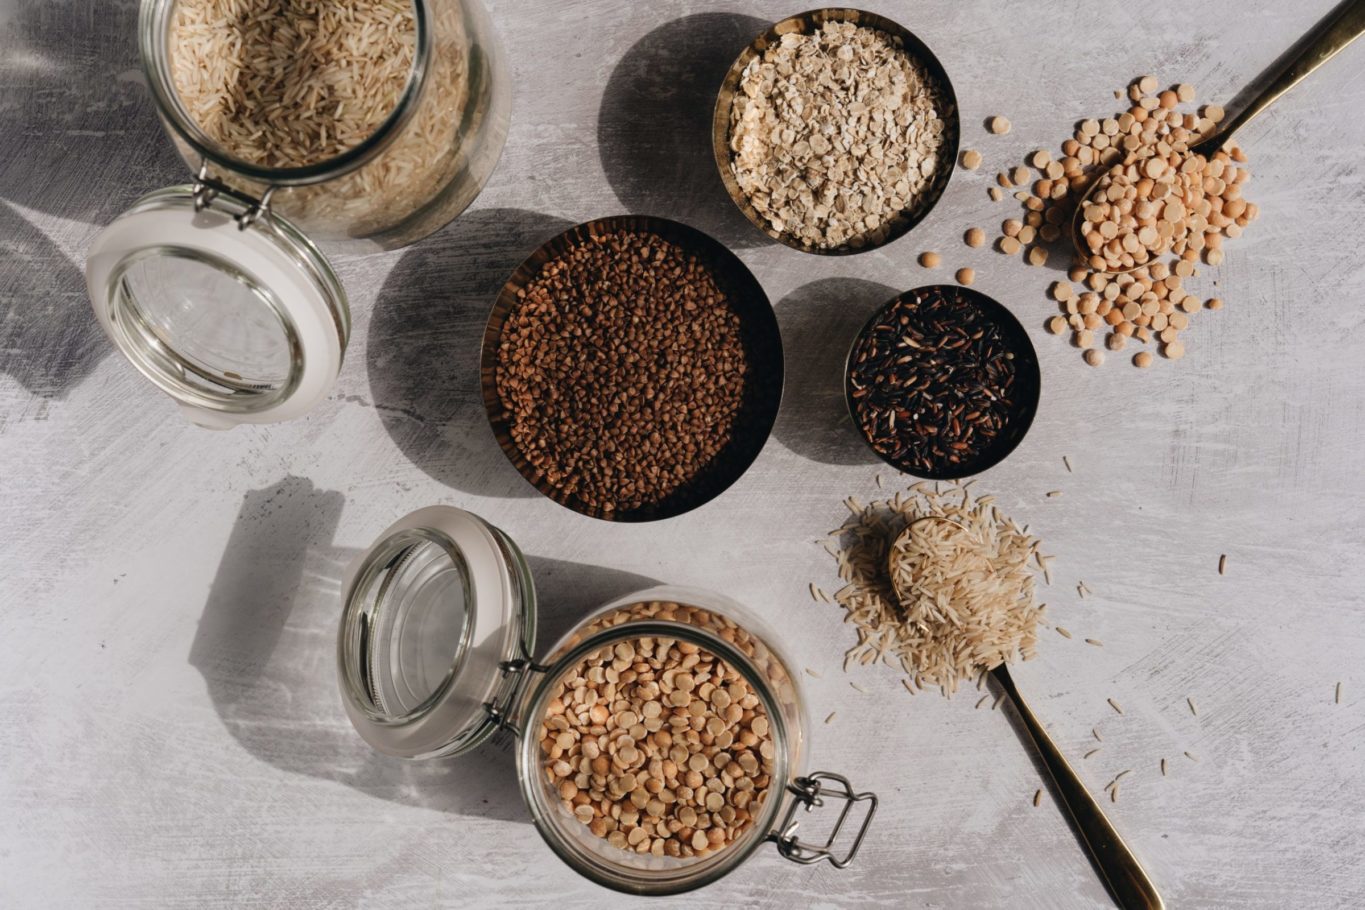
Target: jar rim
(617, 876)
(154, 44)
(486, 667)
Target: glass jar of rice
(362, 125)
(660, 742)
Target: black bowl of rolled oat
(942, 382)
(632, 368)
(836, 131)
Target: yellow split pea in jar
(661, 741)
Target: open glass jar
(435, 655)
(215, 290)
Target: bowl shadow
(819, 321)
(424, 344)
(654, 124)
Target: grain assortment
(658, 747)
(627, 374)
(839, 138)
(942, 382)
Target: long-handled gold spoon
(1128, 882)
(1337, 29)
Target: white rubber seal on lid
(200, 269)
(435, 600)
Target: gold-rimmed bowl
(806, 23)
(762, 346)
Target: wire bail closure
(206, 189)
(501, 708)
(811, 792)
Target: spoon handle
(1336, 30)
(1127, 880)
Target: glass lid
(437, 629)
(224, 306)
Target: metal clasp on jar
(206, 189)
(812, 792)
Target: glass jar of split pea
(660, 742)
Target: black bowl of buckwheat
(836, 131)
(632, 368)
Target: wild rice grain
(1193, 709)
(831, 716)
(1095, 732)
(1163, 767)
(1223, 564)
(1088, 754)
(1337, 699)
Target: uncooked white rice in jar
(292, 83)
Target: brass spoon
(1336, 30)
(1128, 882)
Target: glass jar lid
(436, 632)
(225, 307)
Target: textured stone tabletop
(169, 596)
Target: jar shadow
(424, 341)
(654, 124)
(50, 338)
(265, 646)
(83, 136)
(819, 321)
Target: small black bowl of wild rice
(942, 382)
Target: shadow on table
(819, 322)
(425, 337)
(82, 135)
(50, 340)
(266, 647)
(654, 125)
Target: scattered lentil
(930, 260)
(965, 276)
(999, 125)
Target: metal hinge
(206, 189)
(811, 792)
